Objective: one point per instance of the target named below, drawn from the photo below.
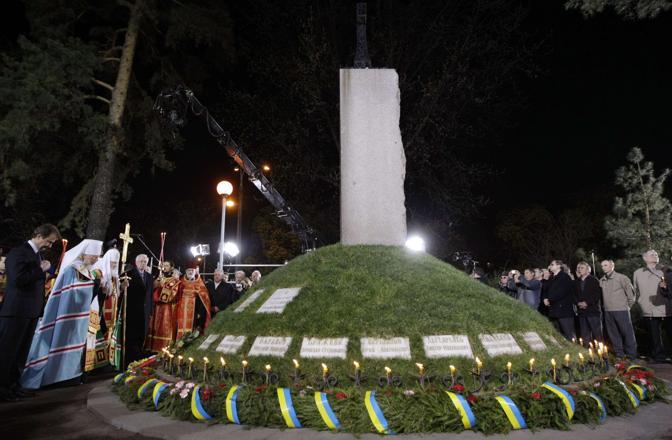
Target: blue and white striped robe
(60, 337)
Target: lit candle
(508, 368)
(191, 361)
(221, 359)
(244, 368)
(356, 364)
(205, 368)
(596, 343)
(553, 365)
(452, 372)
(297, 371)
(590, 345)
(421, 368)
(573, 340)
(590, 353)
(606, 351)
(479, 364)
(325, 371)
(532, 364)
(599, 353)
(581, 359)
(388, 374)
(170, 362)
(567, 360)
(581, 341)
(268, 373)
(221, 371)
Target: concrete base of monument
(651, 422)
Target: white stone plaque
(208, 341)
(230, 344)
(270, 346)
(324, 348)
(499, 343)
(377, 348)
(249, 300)
(534, 341)
(277, 302)
(447, 346)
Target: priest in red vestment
(162, 325)
(193, 307)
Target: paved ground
(62, 413)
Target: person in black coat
(139, 298)
(222, 294)
(23, 305)
(588, 295)
(559, 298)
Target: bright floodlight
(231, 249)
(224, 188)
(415, 243)
(194, 250)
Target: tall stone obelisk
(373, 164)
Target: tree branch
(112, 49)
(103, 84)
(99, 98)
(108, 59)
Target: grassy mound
(380, 291)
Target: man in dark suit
(139, 308)
(222, 294)
(559, 298)
(23, 305)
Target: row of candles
(388, 379)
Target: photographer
(507, 283)
(529, 288)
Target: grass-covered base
(407, 410)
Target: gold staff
(126, 238)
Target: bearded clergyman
(193, 307)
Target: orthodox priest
(193, 307)
(58, 346)
(162, 326)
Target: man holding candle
(618, 296)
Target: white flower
(184, 393)
(173, 391)
(302, 393)
(190, 385)
(409, 393)
(179, 385)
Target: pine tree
(642, 218)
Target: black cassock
(138, 294)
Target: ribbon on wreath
(512, 412)
(197, 407)
(375, 413)
(326, 412)
(633, 399)
(462, 406)
(641, 391)
(567, 400)
(145, 386)
(600, 405)
(156, 393)
(636, 367)
(287, 408)
(129, 378)
(118, 378)
(231, 409)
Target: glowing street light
(224, 189)
(415, 243)
(266, 168)
(231, 249)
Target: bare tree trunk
(103, 192)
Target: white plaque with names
(447, 346)
(534, 341)
(277, 302)
(249, 300)
(230, 344)
(208, 341)
(499, 343)
(270, 346)
(377, 348)
(324, 348)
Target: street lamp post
(224, 189)
(239, 219)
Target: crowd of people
(59, 324)
(599, 308)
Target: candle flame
(452, 369)
(356, 364)
(581, 357)
(553, 362)
(531, 362)
(508, 366)
(191, 360)
(388, 370)
(479, 363)
(567, 358)
(296, 363)
(171, 355)
(420, 366)
(268, 367)
(221, 359)
(205, 360)
(244, 363)
(179, 357)
(325, 368)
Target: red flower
(341, 396)
(535, 396)
(457, 387)
(222, 385)
(620, 366)
(145, 372)
(206, 393)
(573, 392)
(261, 388)
(471, 398)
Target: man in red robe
(162, 326)
(193, 307)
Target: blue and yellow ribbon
(375, 413)
(600, 405)
(633, 399)
(118, 377)
(145, 386)
(231, 410)
(567, 400)
(512, 412)
(128, 379)
(288, 413)
(156, 393)
(197, 407)
(468, 418)
(326, 412)
(641, 391)
(637, 367)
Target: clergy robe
(193, 307)
(162, 325)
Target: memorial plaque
(270, 346)
(499, 343)
(377, 348)
(447, 346)
(277, 302)
(324, 348)
(534, 341)
(230, 344)
(249, 300)
(208, 341)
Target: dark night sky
(605, 88)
